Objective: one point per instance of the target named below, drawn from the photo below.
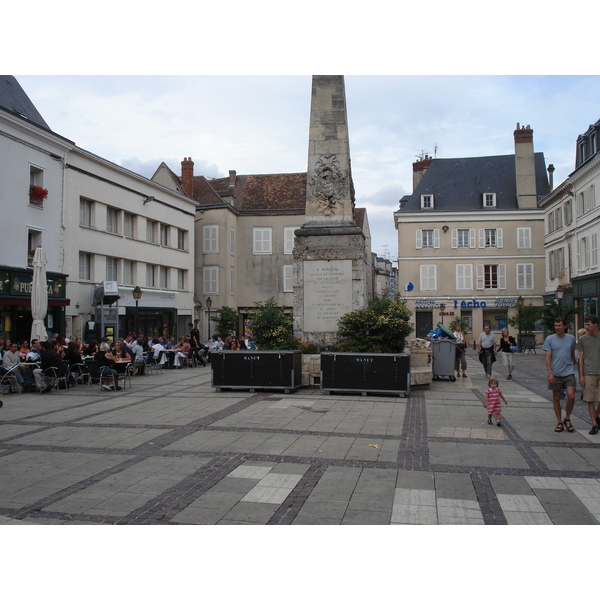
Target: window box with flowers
(37, 194)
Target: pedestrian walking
(588, 348)
(486, 348)
(460, 361)
(507, 343)
(560, 364)
(493, 401)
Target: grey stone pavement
(171, 450)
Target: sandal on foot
(559, 428)
(569, 426)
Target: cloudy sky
(259, 124)
(229, 85)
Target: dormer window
(489, 200)
(426, 201)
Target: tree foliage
(272, 328)
(530, 315)
(226, 320)
(380, 327)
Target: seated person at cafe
(48, 358)
(138, 357)
(10, 359)
(106, 361)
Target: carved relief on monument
(328, 185)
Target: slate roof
(458, 184)
(14, 99)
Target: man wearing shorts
(560, 363)
(589, 368)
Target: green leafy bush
(272, 328)
(226, 320)
(380, 327)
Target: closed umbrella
(39, 296)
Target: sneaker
(594, 430)
(490, 422)
(107, 387)
(499, 424)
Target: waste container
(443, 356)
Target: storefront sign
(22, 284)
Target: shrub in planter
(380, 327)
(226, 320)
(272, 328)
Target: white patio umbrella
(39, 296)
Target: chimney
(525, 167)
(419, 169)
(232, 175)
(551, 176)
(187, 176)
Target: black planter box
(353, 371)
(257, 369)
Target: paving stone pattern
(171, 450)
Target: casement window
(288, 278)
(232, 241)
(523, 237)
(180, 239)
(85, 212)
(490, 238)
(151, 229)
(568, 210)
(524, 276)
(163, 277)
(85, 266)
(150, 275)
(491, 277)
(127, 272)
(428, 238)
(288, 239)
(555, 220)
(587, 252)
(164, 235)
(262, 240)
(112, 220)
(111, 268)
(129, 223)
(463, 238)
(464, 277)
(428, 278)
(489, 200)
(556, 262)
(427, 202)
(231, 281)
(210, 239)
(36, 177)
(181, 279)
(210, 280)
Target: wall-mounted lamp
(149, 199)
(445, 228)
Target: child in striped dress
(492, 400)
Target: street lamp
(559, 296)
(442, 311)
(137, 294)
(208, 305)
(519, 307)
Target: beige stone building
(244, 233)
(470, 238)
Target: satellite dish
(408, 287)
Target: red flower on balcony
(37, 193)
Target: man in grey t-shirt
(560, 363)
(589, 368)
(486, 348)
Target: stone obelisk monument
(330, 253)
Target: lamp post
(137, 294)
(208, 305)
(442, 311)
(559, 296)
(519, 307)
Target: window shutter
(454, 240)
(479, 275)
(594, 252)
(472, 242)
(482, 238)
(419, 239)
(501, 277)
(499, 237)
(436, 238)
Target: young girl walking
(492, 400)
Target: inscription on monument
(327, 293)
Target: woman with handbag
(508, 346)
(460, 361)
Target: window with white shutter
(288, 239)
(210, 239)
(210, 280)
(464, 277)
(524, 276)
(428, 278)
(523, 237)
(288, 278)
(262, 237)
